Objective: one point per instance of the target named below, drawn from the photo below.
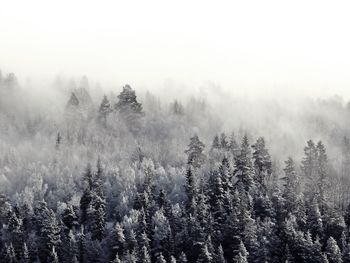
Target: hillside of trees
(120, 178)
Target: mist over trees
(122, 177)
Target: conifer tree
(216, 143)
(117, 240)
(309, 169)
(87, 194)
(69, 217)
(333, 252)
(191, 191)
(242, 256)
(224, 144)
(220, 258)
(204, 255)
(104, 110)
(195, 152)
(243, 170)
(160, 258)
(322, 180)
(129, 108)
(262, 164)
(144, 255)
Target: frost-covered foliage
(122, 179)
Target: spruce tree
(322, 180)
(144, 255)
(104, 110)
(243, 171)
(160, 258)
(195, 155)
(333, 252)
(242, 256)
(262, 164)
(204, 255)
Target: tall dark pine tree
(191, 191)
(104, 111)
(309, 169)
(129, 108)
(262, 164)
(195, 152)
(322, 179)
(243, 171)
(48, 231)
(291, 192)
(87, 194)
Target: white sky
(260, 47)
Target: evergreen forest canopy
(115, 178)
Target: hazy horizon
(254, 48)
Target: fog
(252, 48)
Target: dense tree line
(222, 201)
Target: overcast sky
(260, 47)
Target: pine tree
(195, 152)
(204, 256)
(242, 256)
(117, 241)
(73, 102)
(191, 191)
(216, 143)
(333, 252)
(161, 233)
(48, 231)
(220, 258)
(309, 169)
(129, 108)
(160, 258)
(99, 179)
(97, 215)
(262, 164)
(322, 180)
(177, 108)
(217, 198)
(223, 142)
(127, 101)
(69, 217)
(104, 110)
(234, 147)
(87, 194)
(144, 255)
(314, 220)
(243, 170)
(291, 191)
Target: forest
(125, 176)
